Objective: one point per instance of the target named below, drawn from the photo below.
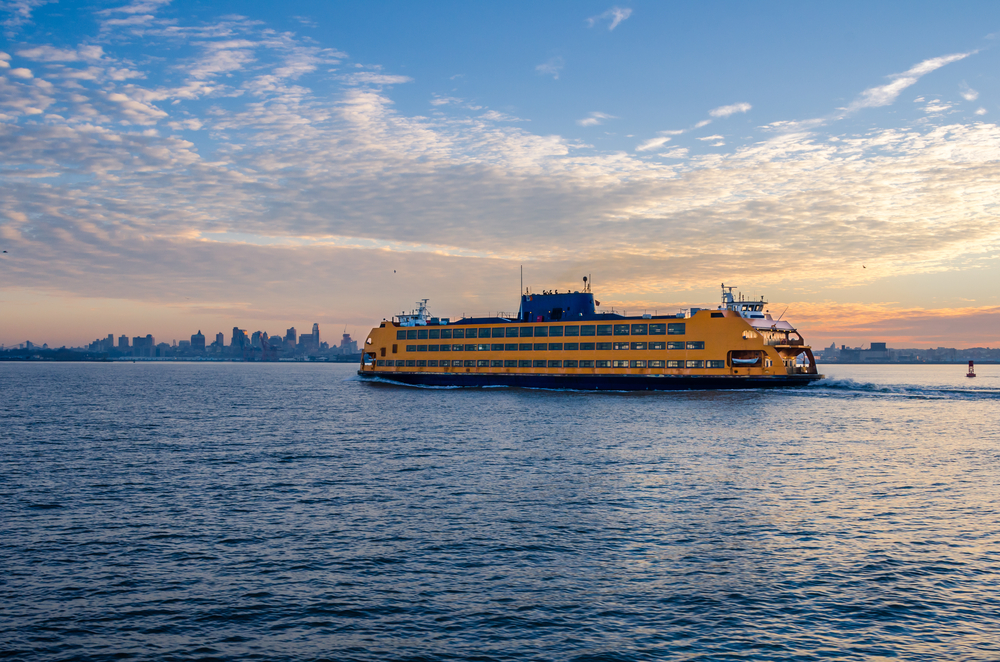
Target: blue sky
(169, 165)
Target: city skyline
(171, 165)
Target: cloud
(19, 13)
(615, 15)
(968, 93)
(52, 54)
(726, 111)
(675, 153)
(883, 95)
(981, 111)
(551, 67)
(20, 72)
(702, 123)
(716, 137)
(595, 119)
(652, 143)
(372, 78)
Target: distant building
(291, 336)
(347, 345)
(220, 340)
(198, 342)
(122, 342)
(143, 346)
(240, 339)
(315, 334)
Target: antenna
(782, 314)
(585, 284)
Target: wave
(929, 391)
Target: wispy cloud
(372, 78)
(726, 111)
(652, 143)
(19, 13)
(614, 16)
(884, 95)
(551, 67)
(594, 119)
(968, 93)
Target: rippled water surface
(249, 511)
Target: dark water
(182, 511)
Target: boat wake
(850, 386)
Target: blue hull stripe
(595, 382)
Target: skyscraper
(220, 340)
(316, 334)
(291, 336)
(198, 342)
(123, 342)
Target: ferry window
(524, 363)
(432, 364)
(657, 345)
(381, 362)
(675, 364)
(675, 329)
(639, 329)
(694, 364)
(603, 346)
(621, 329)
(572, 330)
(696, 344)
(459, 333)
(496, 348)
(496, 332)
(555, 332)
(587, 330)
(538, 364)
(421, 334)
(510, 347)
(620, 364)
(482, 363)
(411, 348)
(401, 335)
(541, 347)
(470, 364)
(421, 364)
(457, 348)
(456, 364)
(569, 364)
(541, 332)
(555, 346)
(524, 347)
(604, 364)
(586, 346)
(382, 350)
(715, 364)
(394, 348)
(483, 348)
(411, 363)
(621, 345)
(718, 315)
(639, 345)
(638, 364)
(484, 333)
(445, 334)
(604, 329)
(421, 348)
(656, 364)
(571, 346)
(555, 364)
(675, 345)
(586, 364)
(657, 329)
(470, 348)
(494, 363)
(526, 331)
(435, 334)
(511, 332)
(432, 348)
(411, 334)
(509, 363)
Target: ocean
(183, 511)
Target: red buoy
(972, 370)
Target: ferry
(559, 340)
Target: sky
(174, 166)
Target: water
(278, 512)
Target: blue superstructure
(561, 307)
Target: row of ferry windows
(671, 329)
(528, 363)
(556, 346)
